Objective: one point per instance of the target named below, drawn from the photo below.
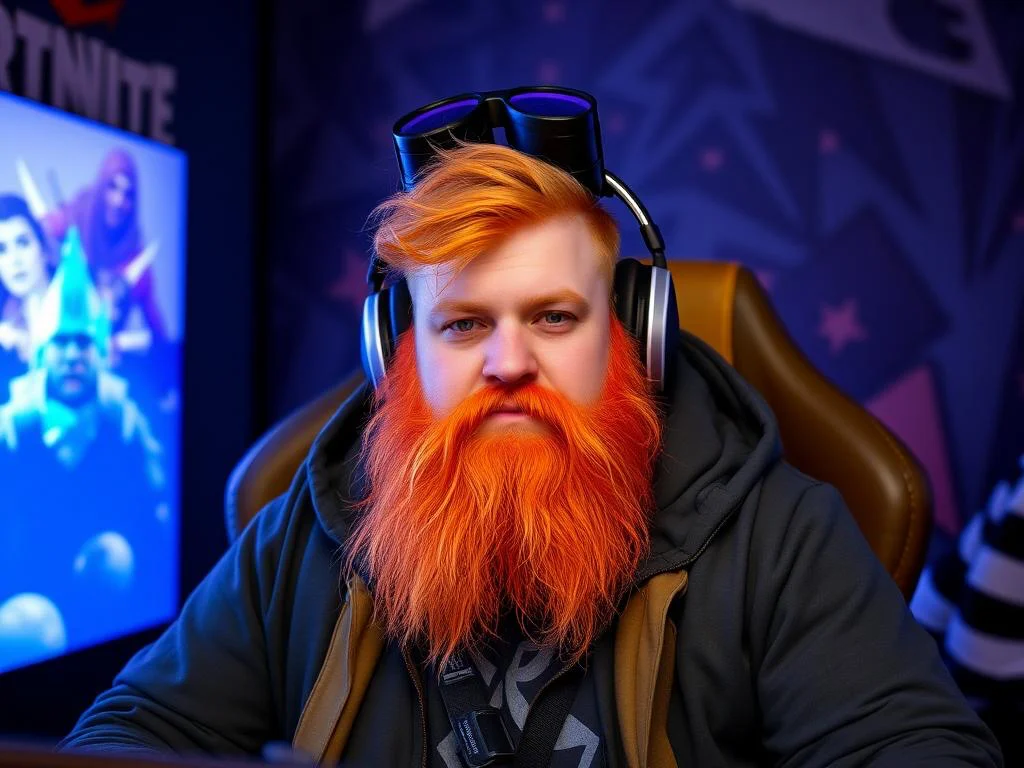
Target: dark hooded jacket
(792, 645)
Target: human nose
(509, 358)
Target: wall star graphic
(841, 326)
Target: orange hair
(475, 196)
(458, 525)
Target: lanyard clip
(483, 738)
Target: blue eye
(557, 321)
(464, 325)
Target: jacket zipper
(418, 683)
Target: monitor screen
(92, 260)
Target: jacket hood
(719, 438)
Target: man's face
(21, 258)
(534, 310)
(71, 362)
(119, 199)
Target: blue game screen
(92, 260)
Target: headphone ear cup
(399, 312)
(645, 302)
(387, 314)
(663, 333)
(629, 291)
(376, 342)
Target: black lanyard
(483, 740)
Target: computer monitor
(92, 263)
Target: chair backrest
(825, 434)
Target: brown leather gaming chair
(825, 434)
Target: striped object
(972, 602)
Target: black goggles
(558, 125)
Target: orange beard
(460, 522)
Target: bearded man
(515, 546)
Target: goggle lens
(441, 116)
(549, 104)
